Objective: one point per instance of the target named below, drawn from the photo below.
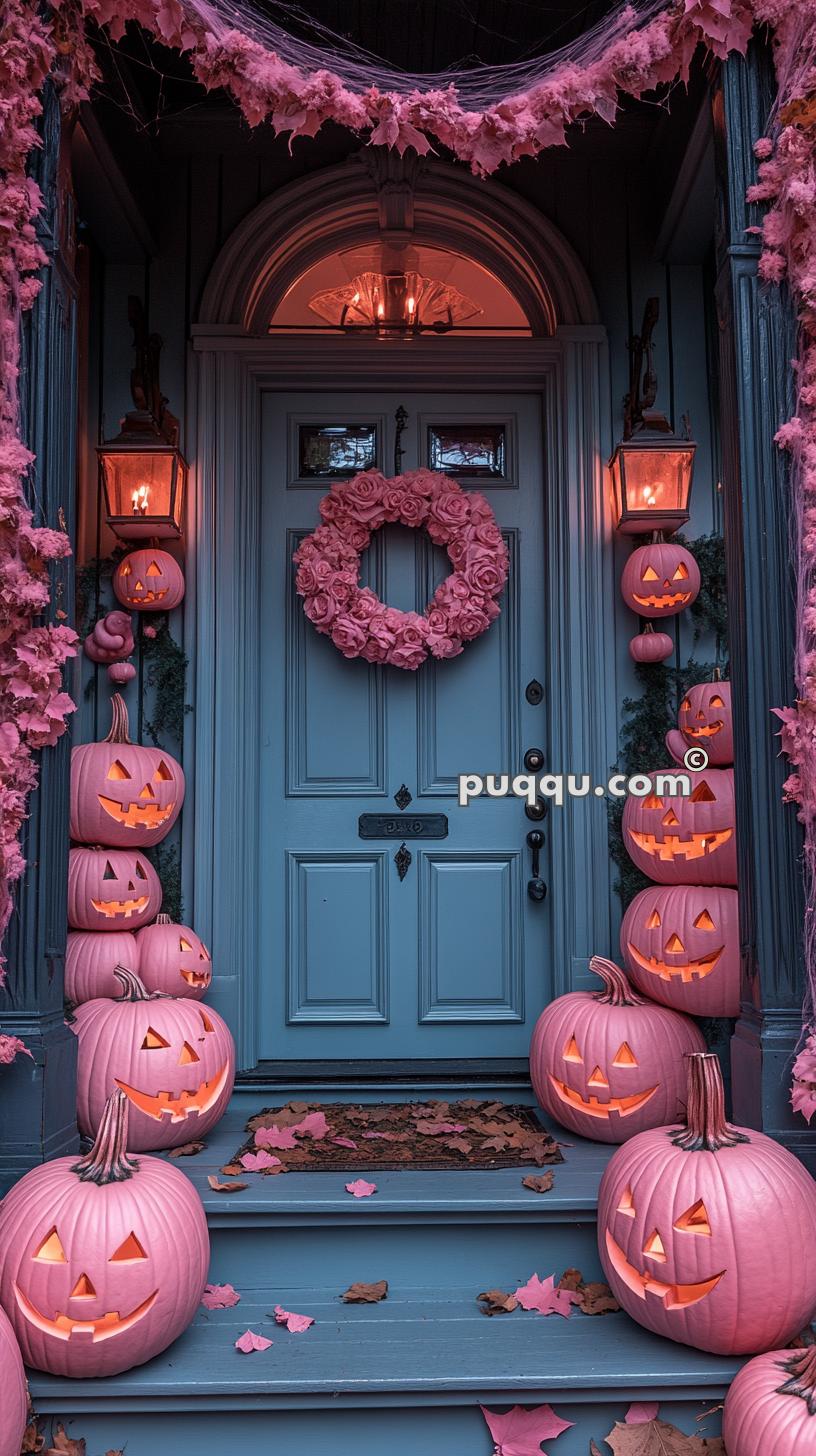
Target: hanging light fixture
(651, 467)
(394, 304)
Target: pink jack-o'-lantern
(91, 957)
(651, 646)
(173, 959)
(123, 793)
(111, 889)
(679, 839)
(149, 580)
(681, 946)
(770, 1409)
(660, 580)
(705, 720)
(707, 1232)
(103, 1259)
(173, 1059)
(14, 1399)
(607, 1063)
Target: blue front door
(449, 960)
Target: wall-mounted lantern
(143, 471)
(651, 467)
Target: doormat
(320, 1137)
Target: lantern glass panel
(651, 487)
(143, 491)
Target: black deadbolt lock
(534, 692)
(533, 760)
(537, 810)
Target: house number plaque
(403, 826)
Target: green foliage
(166, 860)
(91, 580)
(165, 665)
(709, 612)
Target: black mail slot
(403, 826)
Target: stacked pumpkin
(136, 984)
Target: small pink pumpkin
(705, 721)
(91, 958)
(103, 1260)
(606, 1063)
(122, 793)
(707, 1232)
(148, 580)
(679, 839)
(14, 1398)
(173, 959)
(681, 946)
(770, 1409)
(111, 889)
(173, 1059)
(650, 646)
(660, 580)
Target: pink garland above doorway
(463, 605)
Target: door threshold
(346, 1079)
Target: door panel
(449, 960)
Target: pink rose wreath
(359, 624)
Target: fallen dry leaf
(249, 1341)
(33, 1440)
(520, 1432)
(344, 1142)
(219, 1296)
(187, 1150)
(542, 1296)
(640, 1411)
(658, 1438)
(366, 1293)
(64, 1445)
(435, 1129)
(458, 1145)
(295, 1323)
(259, 1162)
(314, 1125)
(231, 1169)
(539, 1183)
(360, 1188)
(219, 1187)
(495, 1301)
(596, 1298)
(571, 1279)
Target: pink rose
(471, 621)
(410, 650)
(321, 609)
(357, 536)
(380, 635)
(407, 656)
(479, 510)
(487, 533)
(363, 605)
(452, 591)
(414, 510)
(332, 507)
(392, 501)
(363, 499)
(485, 576)
(424, 482)
(444, 646)
(457, 550)
(393, 618)
(437, 621)
(342, 587)
(349, 636)
(306, 580)
(450, 508)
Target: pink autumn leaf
(219, 1296)
(296, 1323)
(640, 1412)
(542, 1296)
(520, 1432)
(360, 1189)
(313, 1125)
(249, 1341)
(256, 1162)
(344, 1142)
(275, 1137)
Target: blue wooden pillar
(757, 342)
(37, 1097)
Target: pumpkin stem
(133, 989)
(119, 721)
(706, 1129)
(801, 1369)
(109, 1161)
(617, 989)
(163, 919)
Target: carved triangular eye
(153, 1041)
(685, 706)
(695, 1220)
(704, 921)
(624, 1056)
(184, 944)
(703, 794)
(654, 922)
(716, 702)
(154, 569)
(653, 802)
(650, 574)
(125, 569)
(188, 1055)
(681, 573)
(117, 770)
(83, 1289)
(110, 872)
(674, 944)
(163, 773)
(670, 819)
(627, 1203)
(141, 871)
(653, 1247)
(571, 1052)
(206, 1023)
(51, 1250)
(128, 1252)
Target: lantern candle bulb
(140, 498)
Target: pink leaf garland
(249, 1341)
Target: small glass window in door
(475, 452)
(333, 452)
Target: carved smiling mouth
(110, 908)
(177, 1107)
(136, 816)
(670, 600)
(63, 1327)
(622, 1105)
(707, 731)
(672, 846)
(195, 978)
(674, 1296)
(148, 596)
(690, 971)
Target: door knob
(536, 810)
(533, 760)
(536, 887)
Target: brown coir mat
(320, 1137)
